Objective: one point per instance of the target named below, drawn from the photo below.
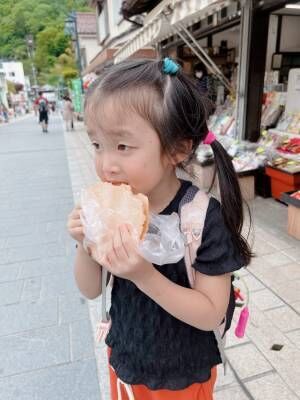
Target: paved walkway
(46, 346)
(46, 340)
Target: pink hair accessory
(210, 138)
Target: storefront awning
(102, 57)
(157, 27)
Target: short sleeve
(217, 253)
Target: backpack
(43, 107)
(192, 213)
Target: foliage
(65, 68)
(44, 20)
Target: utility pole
(30, 51)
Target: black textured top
(150, 346)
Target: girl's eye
(123, 147)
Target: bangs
(101, 106)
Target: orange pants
(197, 391)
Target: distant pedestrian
(204, 83)
(4, 112)
(43, 109)
(68, 113)
(201, 76)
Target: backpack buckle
(187, 237)
(196, 233)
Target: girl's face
(128, 150)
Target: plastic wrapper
(162, 244)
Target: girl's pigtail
(231, 199)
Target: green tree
(45, 21)
(64, 68)
(50, 44)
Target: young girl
(144, 119)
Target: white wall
(272, 39)
(290, 33)
(14, 72)
(90, 44)
(116, 25)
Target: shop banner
(77, 95)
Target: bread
(117, 205)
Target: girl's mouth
(116, 183)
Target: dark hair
(176, 110)
(40, 93)
(200, 67)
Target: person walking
(4, 112)
(43, 109)
(68, 113)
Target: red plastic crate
(282, 181)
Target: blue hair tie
(170, 67)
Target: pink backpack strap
(192, 209)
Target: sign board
(77, 95)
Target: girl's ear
(179, 156)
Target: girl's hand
(74, 225)
(123, 259)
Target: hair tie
(170, 67)
(209, 138)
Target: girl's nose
(108, 167)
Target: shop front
(249, 54)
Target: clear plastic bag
(163, 243)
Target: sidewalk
(256, 372)
(46, 346)
(16, 119)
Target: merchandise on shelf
(291, 146)
(289, 123)
(244, 154)
(222, 122)
(272, 109)
(275, 147)
(89, 79)
(296, 195)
